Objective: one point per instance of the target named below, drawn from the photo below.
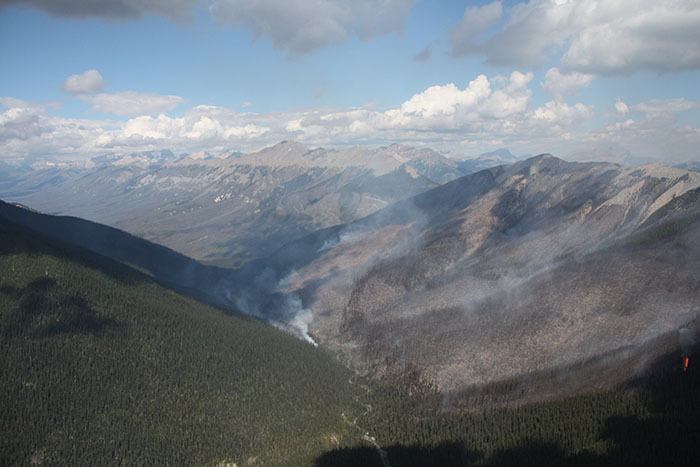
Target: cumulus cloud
(559, 84)
(560, 114)
(594, 36)
(20, 124)
(483, 113)
(442, 113)
(84, 83)
(302, 26)
(31, 131)
(496, 107)
(129, 103)
(476, 20)
(203, 124)
(620, 107)
(448, 105)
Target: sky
(581, 79)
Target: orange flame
(686, 363)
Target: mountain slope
(234, 207)
(163, 264)
(515, 270)
(652, 422)
(102, 366)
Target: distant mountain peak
(544, 156)
(538, 162)
(502, 153)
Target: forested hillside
(654, 421)
(102, 366)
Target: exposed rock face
(229, 208)
(515, 270)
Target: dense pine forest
(101, 366)
(652, 421)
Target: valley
(93, 349)
(231, 207)
(349, 233)
(468, 324)
(540, 265)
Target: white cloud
(620, 107)
(451, 107)
(659, 106)
(597, 36)
(302, 26)
(30, 131)
(20, 123)
(195, 126)
(84, 83)
(446, 100)
(561, 114)
(559, 84)
(487, 112)
(476, 20)
(128, 103)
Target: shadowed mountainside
(164, 265)
(102, 366)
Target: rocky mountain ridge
(229, 208)
(531, 267)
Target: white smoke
(346, 236)
(301, 322)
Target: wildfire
(686, 362)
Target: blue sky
(213, 64)
(272, 75)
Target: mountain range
(536, 266)
(539, 267)
(548, 290)
(230, 207)
(102, 365)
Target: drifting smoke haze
(499, 266)
(350, 232)
(519, 264)
(344, 237)
(274, 288)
